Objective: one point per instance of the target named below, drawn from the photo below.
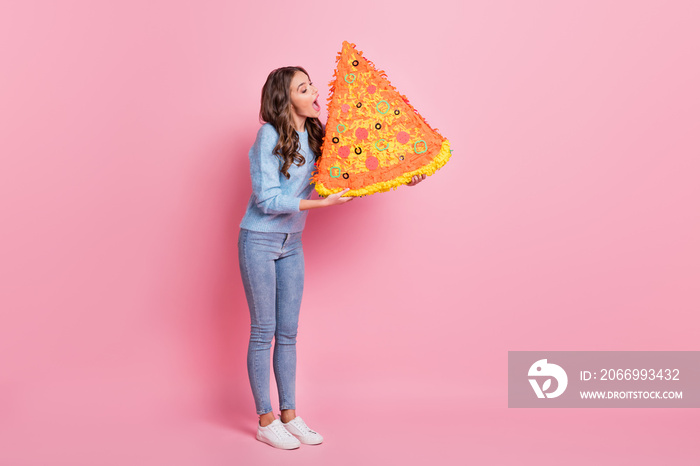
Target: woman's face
(304, 97)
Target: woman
(270, 251)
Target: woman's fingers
(338, 195)
(337, 198)
(416, 179)
(345, 199)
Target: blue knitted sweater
(274, 203)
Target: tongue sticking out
(316, 106)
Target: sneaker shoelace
(301, 425)
(281, 432)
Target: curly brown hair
(276, 109)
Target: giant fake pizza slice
(375, 140)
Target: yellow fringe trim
(440, 159)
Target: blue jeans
(272, 269)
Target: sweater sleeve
(265, 175)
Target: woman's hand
(416, 179)
(333, 199)
(336, 199)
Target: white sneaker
(298, 428)
(276, 435)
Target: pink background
(567, 219)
